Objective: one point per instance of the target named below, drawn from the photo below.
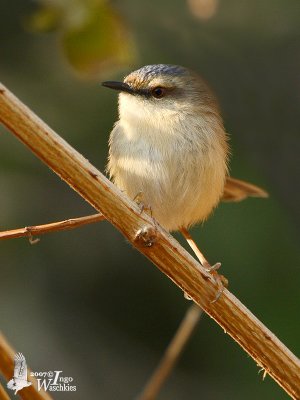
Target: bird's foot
(211, 268)
(220, 280)
(138, 198)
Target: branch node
(146, 236)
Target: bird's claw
(212, 268)
(220, 280)
(138, 198)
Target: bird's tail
(237, 190)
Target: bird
(170, 149)
(19, 381)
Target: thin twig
(7, 354)
(37, 230)
(172, 353)
(160, 247)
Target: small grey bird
(170, 146)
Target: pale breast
(180, 179)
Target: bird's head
(160, 90)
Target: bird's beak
(121, 86)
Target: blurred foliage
(203, 9)
(92, 34)
(83, 301)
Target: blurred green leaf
(93, 35)
(101, 41)
(45, 19)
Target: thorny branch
(165, 252)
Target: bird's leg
(198, 253)
(220, 279)
(146, 235)
(138, 198)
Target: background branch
(166, 252)
(172, 353)
(35, 230)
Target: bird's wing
(237, 190)
(20, 370)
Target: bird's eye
(158, 92)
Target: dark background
(85, 301)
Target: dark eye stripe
(149, 92)
(143, 92)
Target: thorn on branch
(264, 373)
(93, 174)
(33, 241)
(187, 296)
(30, 237)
